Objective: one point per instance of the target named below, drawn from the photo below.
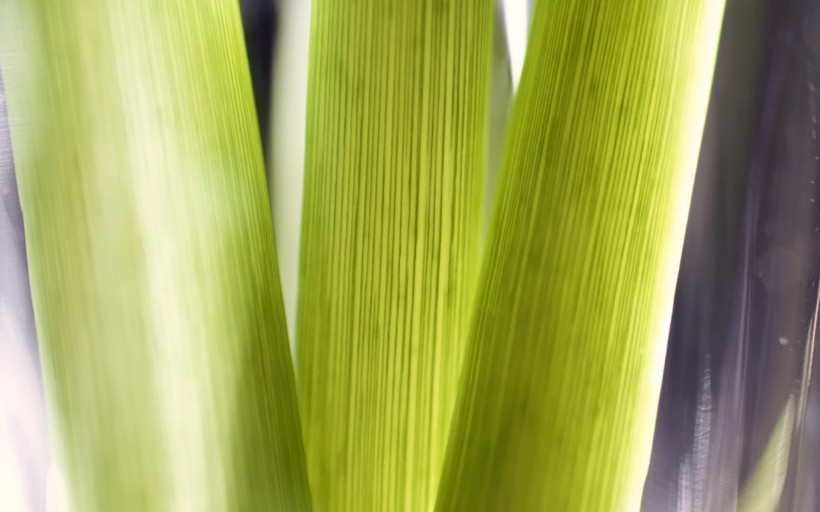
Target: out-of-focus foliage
(763, 489)
(151, 254)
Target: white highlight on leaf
(287, 149)
(517, 14)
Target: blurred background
(739, 415)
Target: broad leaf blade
(563, 371)
(151, 254)
(395, 156)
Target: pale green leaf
(151, 254)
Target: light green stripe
(151, 254)
(567, 345)
(395, 154)
(763, 489)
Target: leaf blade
(152, 259)
(562, 376)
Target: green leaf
(151, 254)
(397, 114)
(563, 371)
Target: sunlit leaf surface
(563, 369)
